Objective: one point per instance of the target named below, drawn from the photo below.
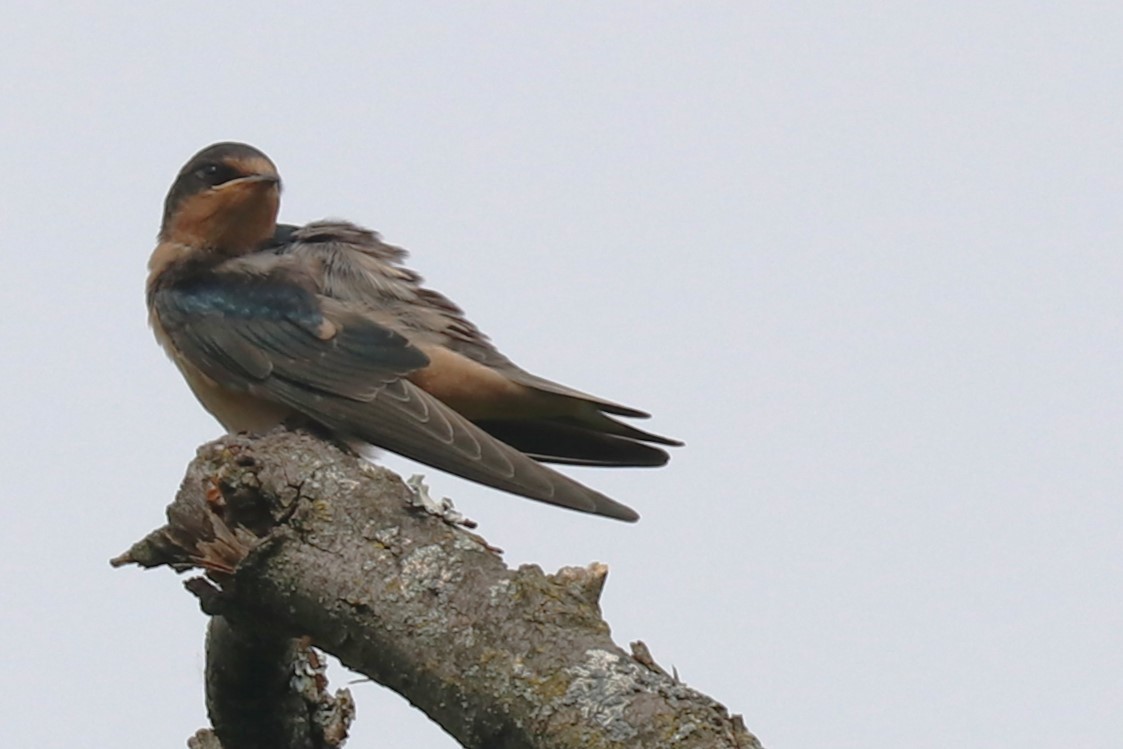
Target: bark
(300, 539)
(267, 690)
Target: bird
(323, 326)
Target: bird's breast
(237, 411)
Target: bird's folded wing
(275, 339)
(354, 265)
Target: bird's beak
(251, 180)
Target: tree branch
(269, 691)
(303, 539)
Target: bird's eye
(214, 174)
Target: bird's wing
(355, 265)
(268, 334)
(555, 423)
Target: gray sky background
(864, 258)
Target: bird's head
(224, 200)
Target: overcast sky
(864, 258)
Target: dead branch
(300, 539)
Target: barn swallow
(322, 325)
